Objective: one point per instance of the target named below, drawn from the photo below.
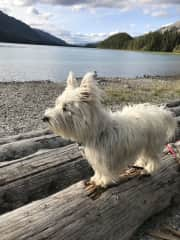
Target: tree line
(167, 41)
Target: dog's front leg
(94, 180)
(93, 186)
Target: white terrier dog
(112, 140)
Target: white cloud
(149, 7)
(160, 13)
(123, 4)
(82, 38)
(5, 10)
(156, 10)
(132, 25)
(77, 8)
(33, 10)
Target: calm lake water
(32, 62)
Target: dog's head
(75, 109)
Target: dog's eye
(64, 108)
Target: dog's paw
(92, 190)
(144, 174)
(140, 171)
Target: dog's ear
(88, 88)
(88, 80)
(71, 81)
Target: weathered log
(37, 176)
(19, 149)
(175, 110)
(178, 119)
(173, 104)
(22, 136)
(71, 214)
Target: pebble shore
(22, 105)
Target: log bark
(178, 120)
(22, 136)
(71, 214)
(173, 104)
(37, 176)
(175, 110)
(19, 149)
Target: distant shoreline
(97, 48)
(102, 79)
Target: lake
(20, 62)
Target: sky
(83, 21)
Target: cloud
(159, 14)
(38, 16)
(94, 3)
(33, 10)
(5, 10)
(156, 13)
(149, 7)
(123, 5)
(81, 38)
(24, 2)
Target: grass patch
(156, 91)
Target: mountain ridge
(165, 39)
(13, 30)
(175, 26)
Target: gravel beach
(22, 105)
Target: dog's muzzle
(45, 119)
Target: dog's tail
(170, 123)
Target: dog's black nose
(45, 119)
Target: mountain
(117, 41)
(91, 45)
(49, 37)
(172, 27)
(15, 31)
(165, 39)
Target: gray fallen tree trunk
(178, 119)
(22, 136)
(19, 149)
(173, 104)
(71, 215)
(175, 110)
(41, 174)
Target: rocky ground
(22, 106)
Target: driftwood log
(70, 214)
(173, 104)
(18, 149)
(22, 136)
(40, 175)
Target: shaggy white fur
(112, 141)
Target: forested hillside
(167, 41)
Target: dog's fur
(112, 141)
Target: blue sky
(81, 21)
